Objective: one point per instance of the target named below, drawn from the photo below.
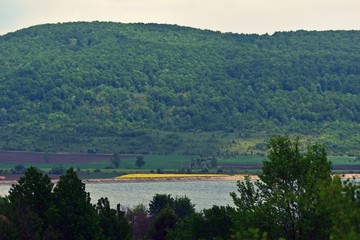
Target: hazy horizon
(237, 16)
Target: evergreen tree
(30, 203)
(77, 217)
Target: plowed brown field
(39, 157)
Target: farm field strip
(84, 161)
(40, 157)
(166, 175)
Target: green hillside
(104, 87)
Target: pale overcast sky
(240, 16)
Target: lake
(204, 194)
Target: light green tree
(342, 200)
(285, 202)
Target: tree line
(101, 79)
(294, 198)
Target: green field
(163, 163)
(346, 160)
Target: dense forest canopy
(72, 82)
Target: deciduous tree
(159, 202)
(113, 221)
(285, 202)
(342, 200)
(163, 223)
(140, 161)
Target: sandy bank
(190, 179)
(155, 179)
(170, 179)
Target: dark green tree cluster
(166, 211)
(214, 223)
(96, 80)
(140, 161)
(35, 209)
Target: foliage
(342, 201)
(159, 202)
(34, 210)
(57, 170)
(166, 211)
(96, 86)
(214, 223)
(19, 169)
(163, 223)
(140, 161)
(30, 207)
(116, 160)
(112, 221)
(77, 217)
(191, 227)
(285, 202)
(139, 221)
(181, 206)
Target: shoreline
(172, 179)
(176, 179)
(152, 179)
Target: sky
(237, 16)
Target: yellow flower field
(168, 175)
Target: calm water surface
(204, 194)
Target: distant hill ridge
(101, 78)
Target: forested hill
(64, 81)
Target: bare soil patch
(14, 157)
